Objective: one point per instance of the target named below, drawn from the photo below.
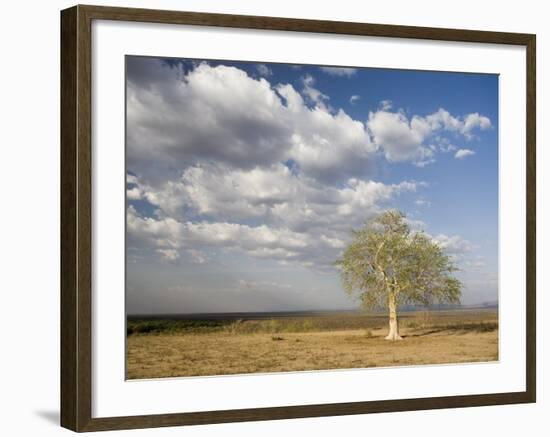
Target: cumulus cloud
(425, 156)
(313, 94)
(131, 179)
(339, 71)
(262, 242)
(404, 139)
(442, 119)
(443, 144)
(209, 113)
(229, 162)
(392, 131)
(473, 121)
(301, 220)
(386, 105)
(464, 153)
(454, 244)
(145, 232)
(216, 191)
(354, 99)
(264, 70)
(178, 117)
(133, 193)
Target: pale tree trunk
(394, 327)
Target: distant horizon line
(407, 308)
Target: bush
(274, 326)
(235, 327)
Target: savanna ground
(193, 347)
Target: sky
(244, 179)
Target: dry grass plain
(161, 348)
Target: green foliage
(164, 326)
(386, 259)
(279, 325)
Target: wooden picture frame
(76, 217)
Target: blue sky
(243, 179)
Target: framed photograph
(268, 218)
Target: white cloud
(403, 139)
(211, 190)
(442, 119)
(443, 144)
(131, 179)
(169, 254)
(454, 244)
(422, 202)
(273, 193)
(473, 121)
(211, 113)
(392, 131)
(313, 94)
(178, 118)
(221, 114)
(367, 195)
(133, 194)
(385, 105)
(477, 264)
(243, 165)
(415, 224)
(339, 71)
(301, 220)
(425, 156)
(264, 70)
(463, 153)
(354, 99)
(331, 148)
(144, 232)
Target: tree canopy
(388, 265)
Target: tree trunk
(394, 327)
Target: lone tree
(389, 265)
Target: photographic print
(284, 218)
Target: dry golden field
(168, 348)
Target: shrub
(235, 327)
